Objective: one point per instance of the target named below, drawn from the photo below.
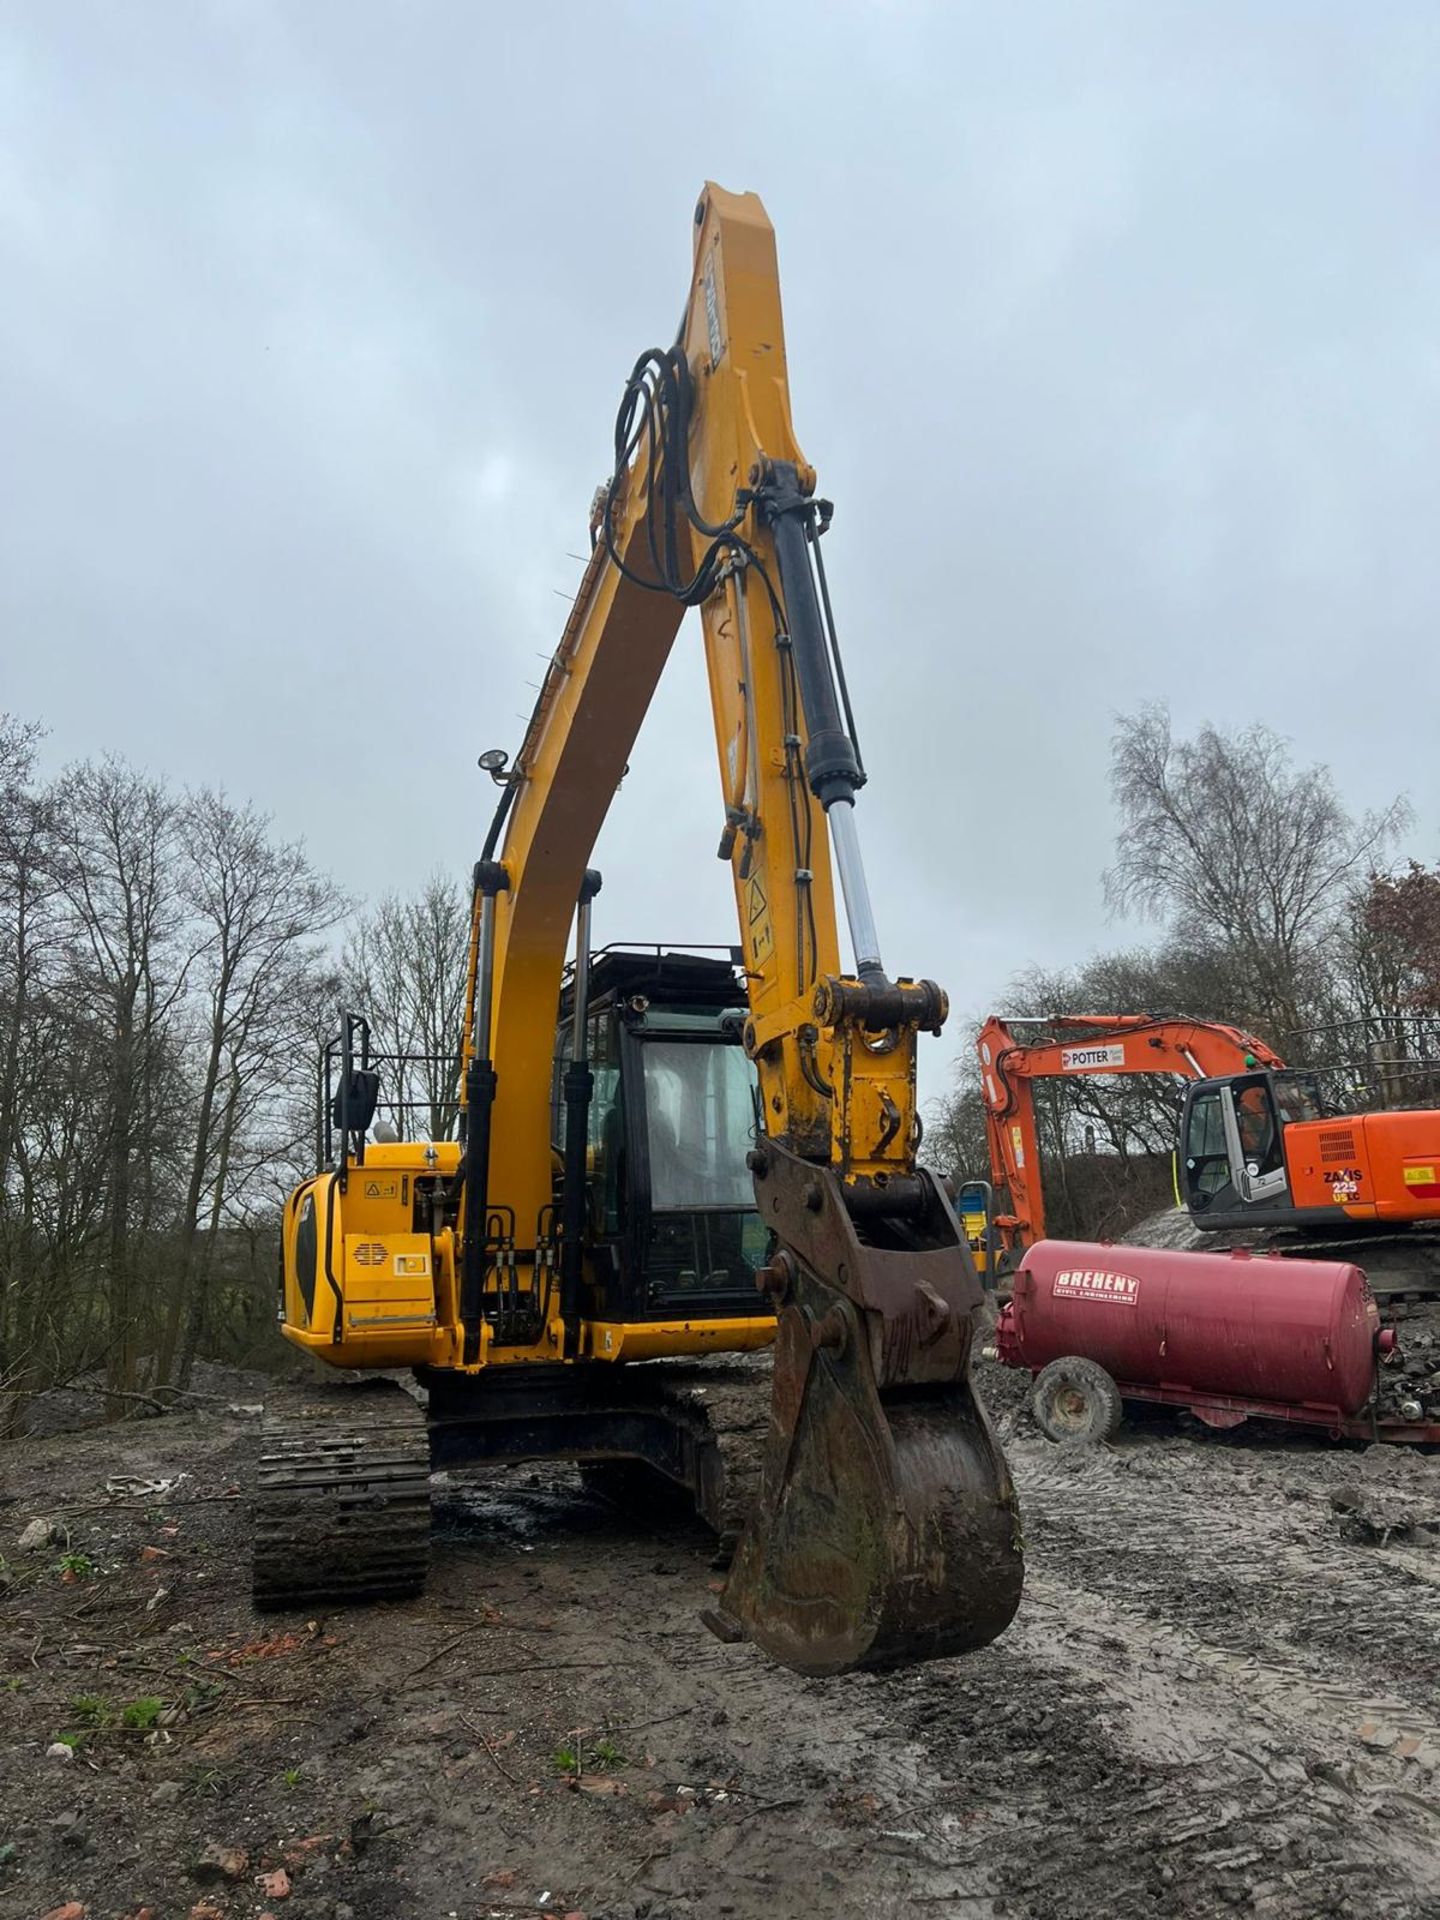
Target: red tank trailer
(1230, 1336)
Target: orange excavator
(1257, 1151)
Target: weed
(602, 1757)
(141, 1715)
(292, 1777)
(202, 1695)
(92, 1709)
(76, 1566)
(12, 1683)
(209, 1780)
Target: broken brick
(217, 1862)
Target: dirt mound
(1171, 1227)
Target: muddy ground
(1222, 1695)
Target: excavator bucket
(886, 1528)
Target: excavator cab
(1232, 1156)
(670, 1204)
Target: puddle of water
(517, 1511)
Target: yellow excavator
(665, 1157)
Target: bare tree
(1401, 912)
(256, 909)
(405, 967)
(1239, 851)
(163, 963)
(1380, 1023)
(116, 857)
(25, 892)
(26, 951)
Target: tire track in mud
(1186, 1600)
(1173, 1728)
(1161, 1733)
(1254, 1566)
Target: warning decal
(757, 922)
(1093, 1283)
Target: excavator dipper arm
(886, 1529)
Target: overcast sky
(1112, 332)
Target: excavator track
(1399, 1266)
(724, 1408)
(717, 1413)
(342, 1499)
(341, 1504)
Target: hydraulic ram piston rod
(831, 762)
(846, 839)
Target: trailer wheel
(1075, 1401)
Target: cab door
(1259, 1140)
(1209, 1151)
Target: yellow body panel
(661, 1339)
(400, 1303)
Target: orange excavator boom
(1084, 1045)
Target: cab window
(1207, 1158)
(699, 1120)
(1259, 1127)
(606, 1138)
(1298, 1097)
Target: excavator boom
(1258, 1149)
(1084, 1044)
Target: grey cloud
(1111, 334)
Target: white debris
(133, 1484)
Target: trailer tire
(1076, 1403)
